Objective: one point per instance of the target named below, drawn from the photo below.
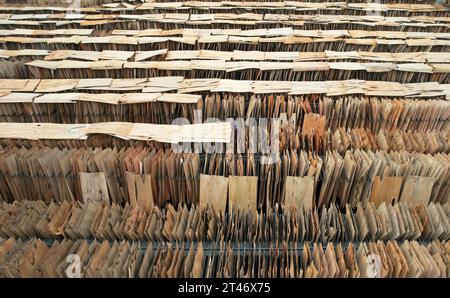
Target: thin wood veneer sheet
(243, 192)
(417, 190)
(385, 190)
(299, 191)
(140, 190)
(93, 187)
(213, 191)
(314, 123)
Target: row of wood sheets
(93, 6)
(431, 142)
(371, 113)
(101, 107)
(136, 221)
(264, 135)
(212, 35)
(262, 138)
(59, 5)
(235, 70)
(242, 181)
(24, 55)
(35, 258)
(322, 41)
(214, 85)
(267, 21)
(92, 141)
